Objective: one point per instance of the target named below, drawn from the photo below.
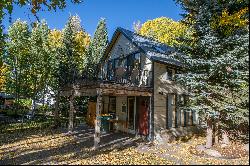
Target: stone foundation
(168, 135)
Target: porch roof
(89, 88)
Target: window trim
(111, 97)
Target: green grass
(19, 127)
(36, 125)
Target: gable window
(110, 69)
(170, 74)
(137, 61)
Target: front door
(143, 117)
(131, 115)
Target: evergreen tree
(71, 60)
(97, 46)
(217, 66)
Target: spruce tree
(217, 63)
(97, 47)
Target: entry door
(131, 115)
(143, 117)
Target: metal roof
(154, 50)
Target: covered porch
(130, 107)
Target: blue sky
(117, 13)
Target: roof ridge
(146, 37)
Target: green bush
(43, 109)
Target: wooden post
(97, 120)
(151, 119)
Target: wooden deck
(90, 88)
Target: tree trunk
(97, 120)
(43, 96)
(209, 139)
(33, 106)
(34, 99)
(16, 87)
(56, 112)
(71, 112)
(216, 132)
(225, 138)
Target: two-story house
(137, 84)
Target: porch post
(151, 119)
(97, 120)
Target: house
(137, 84)
(6, 100)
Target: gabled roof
(153, 50)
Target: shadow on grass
(80, 147)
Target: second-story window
(170, 74)
(110, 70)
(136, 64)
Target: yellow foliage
(55, 38)
(3, 70)
(164, 30)
(228, 23)
(82, 41)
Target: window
(112, 104)
(123, 62)
(150, 78)
(110, 70)
(169, 74)
(137, 61)
(171, 111)
(104, 71)
(137, 57)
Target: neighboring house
(137, 84)
(6, 100)
(47, 99)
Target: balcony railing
(135, 77)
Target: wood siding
(121, 101)
(122, 47)
(162, 88)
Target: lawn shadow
(79, 147)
